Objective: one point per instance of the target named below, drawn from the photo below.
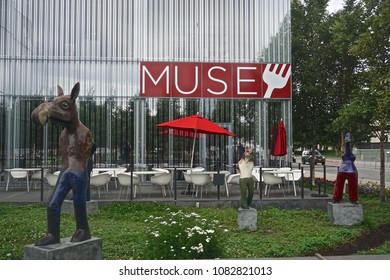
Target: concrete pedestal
(67, 207)
(345, 214)
(247, 219)
(87, 250)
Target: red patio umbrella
(180, 133)
(196, 124)
(280, 145)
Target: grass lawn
(125, 228)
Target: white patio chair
(37, 176)
(256, 173)
(100, 180)
(233, 179)
(256, 177)
(294, 176)
(162, 180)
(200, 180)
(187, 179)
(271, 180)
(51, 181)
(18, 174)
(124, 180)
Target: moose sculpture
(75, 144)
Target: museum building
(141, 63)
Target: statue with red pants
(347, 171)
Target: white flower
(198, 249)
(196, 228)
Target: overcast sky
(335, 5)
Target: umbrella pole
(193, 149)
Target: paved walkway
(210, 198)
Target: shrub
(180, 235)
(369, 188)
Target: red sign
(215, 80)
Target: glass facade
(100, 43)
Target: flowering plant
(372, 189)
(180, 235)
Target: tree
(310, 60)
(345, 29)
(372, 102)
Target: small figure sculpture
(75, 144)
(246, 165)
(347, 171)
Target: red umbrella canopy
(280, 146)
(180, 133)
(198, 124)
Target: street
(367, 171)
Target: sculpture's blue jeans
(68, 180)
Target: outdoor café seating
(18, 174)
(99, 181)
(293, 176)
(51, 181)
(162, 180)
(37, 176)
(233, 179)
(187, 179)
(124, 180)
(200, 180)
(271, 180)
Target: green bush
(371, 190)
(180, 235)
